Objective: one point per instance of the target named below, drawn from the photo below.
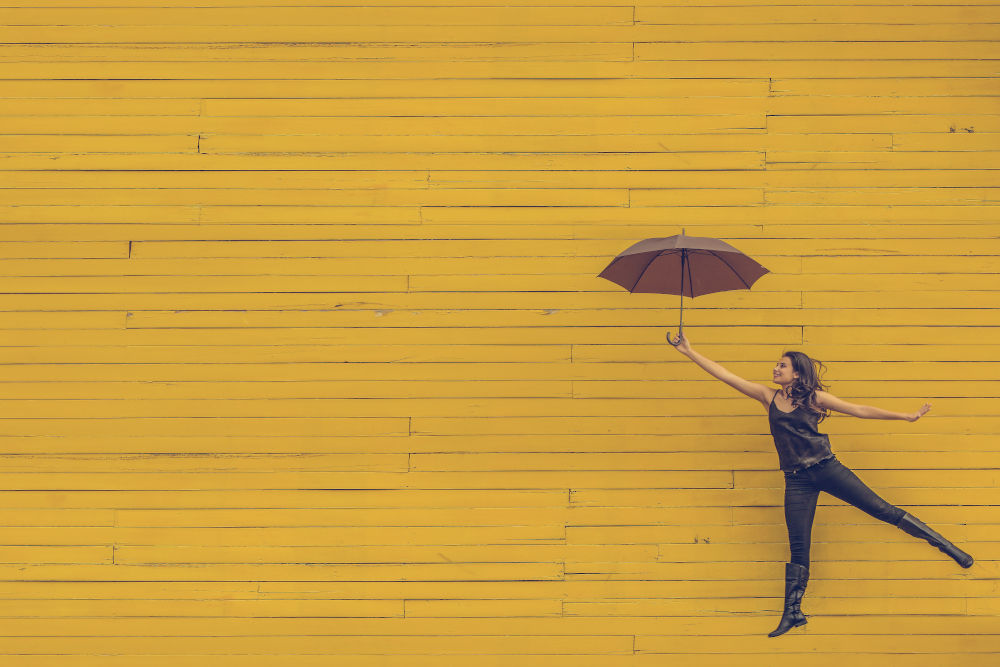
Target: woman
(794, 410)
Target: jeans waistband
(812, 466)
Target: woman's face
(783, 372)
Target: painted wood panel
(305, 358)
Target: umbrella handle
(680, 328)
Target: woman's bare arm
(828, 400)
(751, 389)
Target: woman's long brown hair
(803, 389)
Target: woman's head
(799, 375)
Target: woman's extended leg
(840, 481)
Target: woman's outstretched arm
(828, 400)
(751, 389)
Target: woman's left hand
(919, 413)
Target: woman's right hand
(919, 413)
(684, 346)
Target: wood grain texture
(305, 359)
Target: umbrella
(685, 265)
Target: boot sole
(797, 625)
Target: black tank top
(798, 442)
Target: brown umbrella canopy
(685, 265)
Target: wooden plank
(884, 195)
(373, 480)
(49, 555)
(370, 196)
(937, 644)
(304, 536)
(806, 13)
(98, 107)
(442, 267)
(342, 462)
(64, 249)
(963, 138)
(487, 106)
(607, 51)
(163, 17)
(859, 657)
(707, 215)
(512, 3)
(453, 69)
(340, 179)
(935, 565)
(535, 160)
(658, 425)
(852, 363)
(573, 124)
(882, 160)
(401, 644)
(468, 388)
(896, 123)
(165, 626)
(104, 46)
(133, 284)
(745, 177)
(329, 498)
(869, 299)
(417, 86)
(800, 50)
(138, 555)
(146, 390)
(888, 87)
(150, 143)
(480, 461)
(440, 353)
(322, 151)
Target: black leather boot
(914, 526)
(796, 578)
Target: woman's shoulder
(770, 394)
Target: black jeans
(802, 491)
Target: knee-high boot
(796, 578)
(913, 526)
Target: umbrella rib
(690, 282)
(643, 271)
(723, 260)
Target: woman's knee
(799, 554)
(894, 514)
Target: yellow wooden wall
(305, 359)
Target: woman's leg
(838, 480)
(800, 508)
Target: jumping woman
(804, 456)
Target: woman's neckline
(775, 404)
